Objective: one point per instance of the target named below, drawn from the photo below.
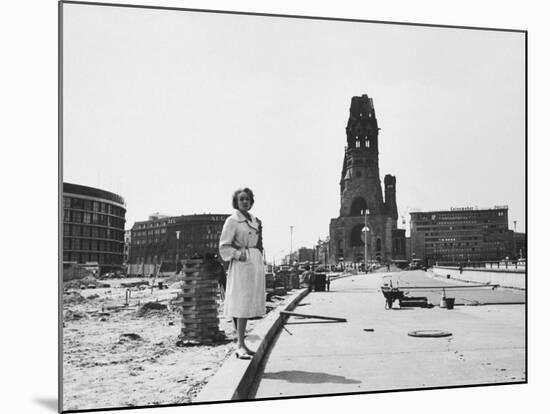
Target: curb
(235, 377)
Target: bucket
(450, 303)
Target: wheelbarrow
(392, 294)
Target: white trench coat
(245, 290)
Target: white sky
(175, 110)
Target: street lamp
(366, 229)
(290, 255)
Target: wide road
(372, 350)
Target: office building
(461, 235)
(93, 226)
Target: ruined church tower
(360, 190)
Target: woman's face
(243, 201)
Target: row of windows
(155, 223)
(90, 205)
(158, 258)
(437, 225)
(452, 244)
(150, 225)
(95, 245)
(92, 231)
(482, 248)
(74, 216)
(83, 257)
(163, 247)
(145, 233)
(495, 243)
(143, 242)
(193, 238)
(455, 228)
(473, 215)
(171, 220)
(438, 251)
(192, 231)
(432, 239)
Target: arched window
(356, 236)
(358, 207)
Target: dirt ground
(114, 358)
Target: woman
(241, 246)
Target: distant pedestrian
(241, 246)
(306, 278)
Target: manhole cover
(430, 333)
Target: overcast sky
(175, 110)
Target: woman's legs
(241, 329)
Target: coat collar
(242, 219)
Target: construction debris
(73, 297)
(125, 337)
(149, 307)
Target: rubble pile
(151, 308)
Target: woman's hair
(242, 190)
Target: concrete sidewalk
(317, 357)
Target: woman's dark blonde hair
(242, 190)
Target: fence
(504, 277)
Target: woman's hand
(243, 257)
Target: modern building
(361, 195)
(93, 226)
(461, 235)
(166, 240)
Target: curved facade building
(93, 226)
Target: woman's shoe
(242, 355)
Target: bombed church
(361, 198)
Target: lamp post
(290, 255)
(366, 239)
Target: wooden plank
(328, 318)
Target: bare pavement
(372, 351)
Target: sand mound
(87, 281)
(70, 315)
(151, 308)
(127, 337)
(71, 298)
